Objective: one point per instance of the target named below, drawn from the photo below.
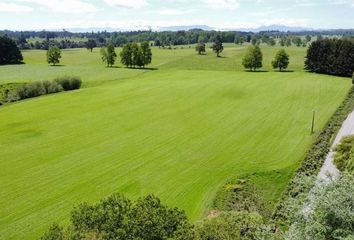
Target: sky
(140, 14)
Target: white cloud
(127, 3)
(173, 11)
(305, 3)
(342, 2)
(64, 6)
(14, 8)
(223, 4)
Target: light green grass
(179, 132)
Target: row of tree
(284, 40)
(132, 55)
(253, 59)
(331, 56)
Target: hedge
(316, 156)
(39, 88)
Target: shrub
(235, 225)
(38, 88)
(55, 232)
(52, 87)
(241, 195)
(344, 156)
(32, 89)
(69, 83)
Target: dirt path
(329, 170)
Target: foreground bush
(117, 217)
(235, 225)
(333, 213)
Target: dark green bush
(69, 83)
(117, 217)
(55, 232)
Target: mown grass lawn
(179, 132)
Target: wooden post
(313, 121)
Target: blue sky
(133, 14)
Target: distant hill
(281, 28)
(185, 28)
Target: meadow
(179, 129)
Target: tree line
(65, 39)
(132, 55)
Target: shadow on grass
(150, 69)
(113, 67)
(136, 68)
(57, 65)
(285, 71)
(257, 71)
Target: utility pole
(313, 121)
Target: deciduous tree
(53, 55)
(253, 58)
(217, 45)
(91, 44)
(200, 48)
(146, 53)
(109, 55)
(281, 60)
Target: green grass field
(179, 131)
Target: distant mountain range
(281, 28)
